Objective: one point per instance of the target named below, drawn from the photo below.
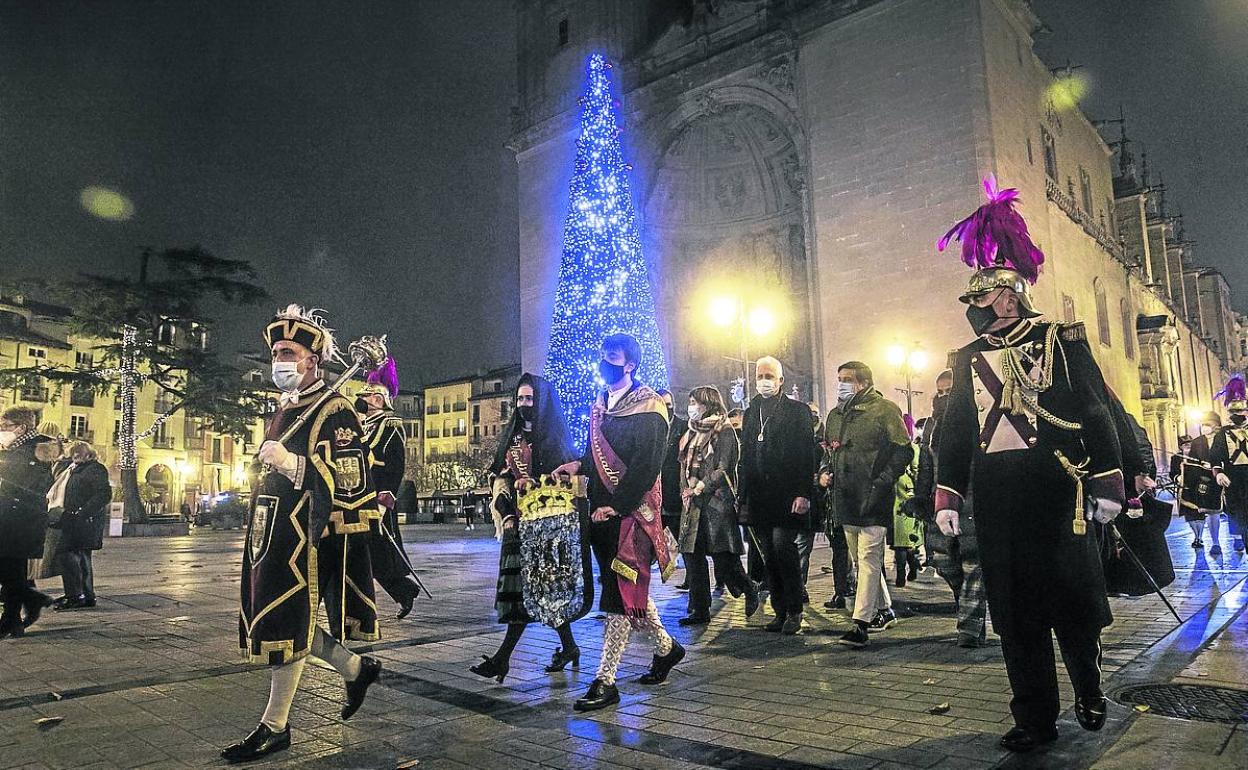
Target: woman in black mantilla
(535, 442)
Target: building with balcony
(490, 406)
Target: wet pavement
(151, 678)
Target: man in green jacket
(868, 449)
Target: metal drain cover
(1190, 701)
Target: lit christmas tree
(604, 286)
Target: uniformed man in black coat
(25, 476)
(1228, 451)
(1030, 431)
(387, 448)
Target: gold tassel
(1079, 524)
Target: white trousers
(866, 547)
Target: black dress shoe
(560, 660)
(837, 602)
(260, 743)
(695, 619)
(775, 626)
(1023, 740)
(752, 603)
(75, 603)
(33, 606)
(405, 607)
(1090, 711)
(662, 665)
(492, 669)
(370, 669)
(600, 696)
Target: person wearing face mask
(82, 492)
(1030, 430)
(709, 525)
(535, 442)
(387, 453)
(1202, 500)
(670, 477)
(623, 459)
(868, 451)
(25, 476)
(307, 536)
(1228, 452)
(777, 482)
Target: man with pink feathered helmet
(1228, 451)
(387, 446)
(1030, 432)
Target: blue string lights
(604, 283)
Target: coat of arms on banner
(349, 465)
(550, 550)
(262, 514)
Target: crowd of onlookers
(53, 509)
(765, 481)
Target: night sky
(354, 152)
(1179, 70)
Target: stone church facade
(808, 154)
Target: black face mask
(939, 404)
(980, 318)
(610, 373)
(525, 413)
(361, 406)
(1238, 419)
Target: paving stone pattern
(152, 678)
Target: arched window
(1128, 327)
(1102, 311)
(1068, 309)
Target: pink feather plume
(1235, 390)
(386, 375)
(996, 235)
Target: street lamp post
(909, 361)
(730, 310)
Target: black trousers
(783, 564)
(77, 574)
(754, 559)
(728, 570)
(1030, 664)
(15, 590)
(841, 579)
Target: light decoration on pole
(909, 362)
(604, 283)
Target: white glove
(1105, 511)
(1223, 480)
(276, 456)
(947, 522)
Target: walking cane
(1147, 575)
(420, 584)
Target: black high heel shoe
(562, 658)
(491, 669)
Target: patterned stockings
(615, 640)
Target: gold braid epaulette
(1074, 332)
(1020, 394)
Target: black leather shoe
(405, 607)
(491, 669)
(792, 624)
(560, 660)
(1023, 740)
(75, 603)
(695, 619)
(33, 606)
(600, 696)
(837, 602)
(1090, 711)
(370, 669)
(662, 665)
(776, 625)
(752, 602)
(260, 743)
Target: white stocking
(614, 642)
(282, 687)
(654, 624)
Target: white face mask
(7, 437)
(286, 376)
(844, 392)
(767, 388)
(695, 412)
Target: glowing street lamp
(909, 362)
(727, 311)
